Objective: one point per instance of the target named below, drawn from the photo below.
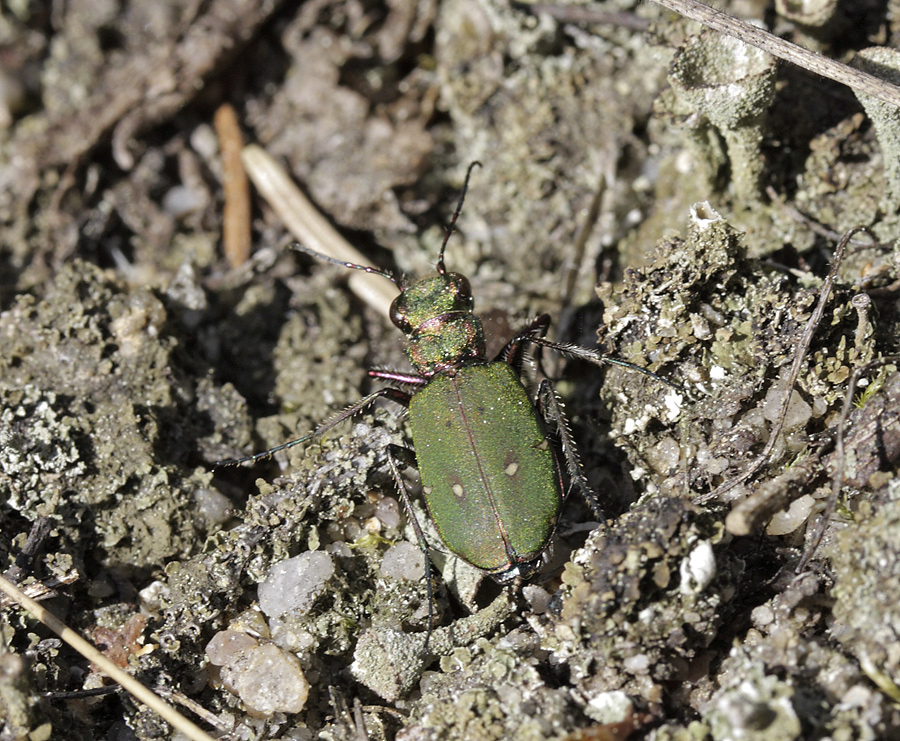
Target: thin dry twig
(89, 652)
(752, 513)
(815, 226)
(799, 357)
(40, 529)
(195, 707)
(817, 64)
(41, 590)
(312, 229)
(871, 432)
(236, 214)
(837, 482)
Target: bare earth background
(133, 357)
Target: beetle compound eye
(398, 317)
(463, 292)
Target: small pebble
(214, 507)
(388, 511)
(268, 680)
(403, 560)
(698, 569)
(181, 201)
(788, 520)
(226, 645)
(293, 585)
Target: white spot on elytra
(457, 489)
(511, 469)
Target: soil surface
(668, 197)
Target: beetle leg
(552, 410)
(405, 379)
(597, 358)
(388, 393)
(534, 334)
(396, 456)
(513, 352)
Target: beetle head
(436, 315)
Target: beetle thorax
(436, 315)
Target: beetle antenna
(298, 247)
(448, 230)
(333, 421)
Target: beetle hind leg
(398, 456)
(552, 410)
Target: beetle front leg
(552, 410)
(597, 358)
(397, 456)
(514, 350)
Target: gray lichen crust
(87, 403)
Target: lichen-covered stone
(633, 612)
(866, 560)
(92, 418)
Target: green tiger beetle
(492, 482)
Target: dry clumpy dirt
(613, 196)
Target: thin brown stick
(814, 226)
(236, 214)
(752, 513)
(42, 590)
(817, 64)
(195, 707)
